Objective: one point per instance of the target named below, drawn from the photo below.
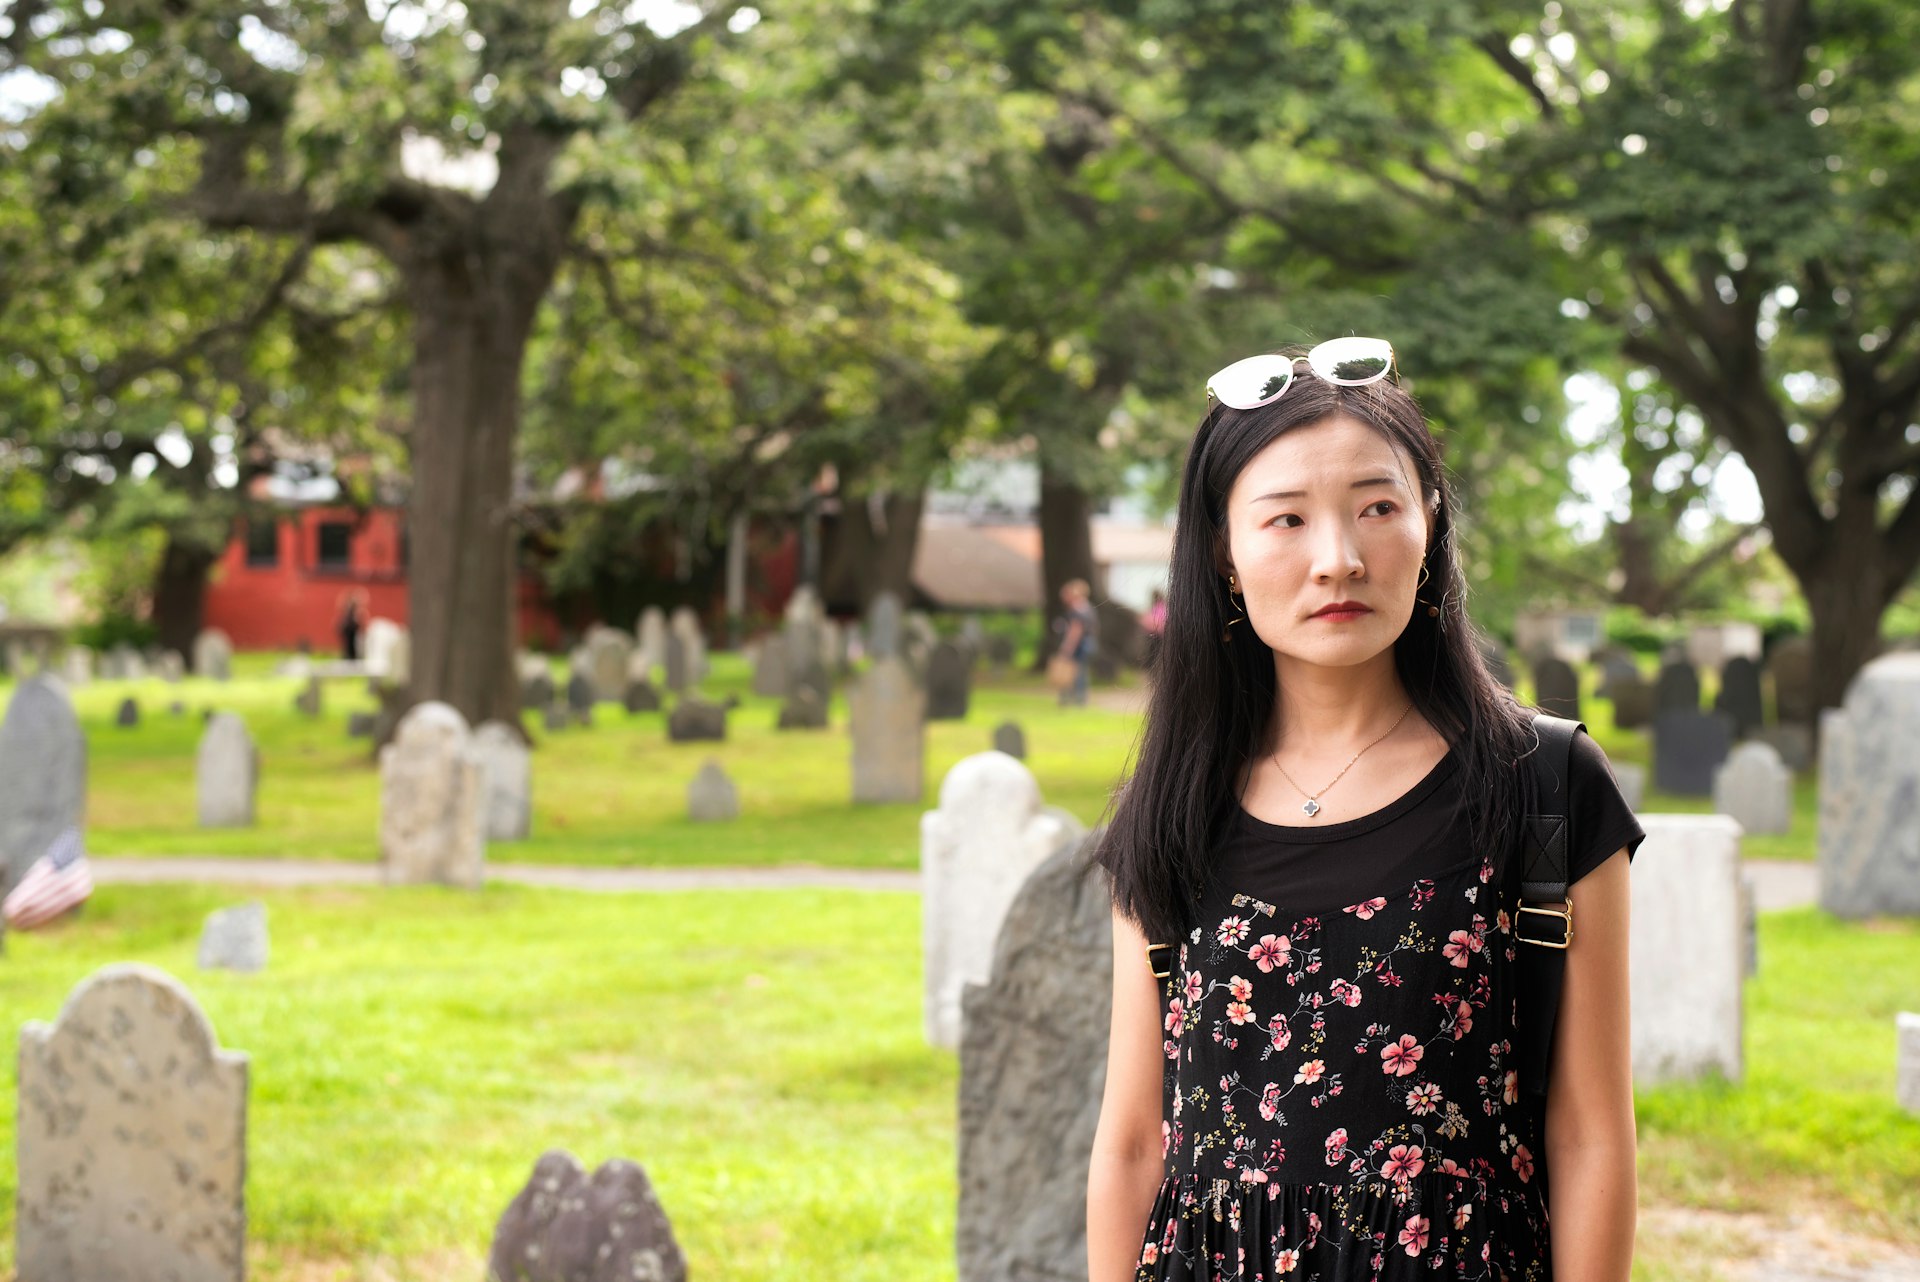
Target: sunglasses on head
(1262, 380)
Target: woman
(1325, 1087)
(1079, 634)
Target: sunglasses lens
(1252, 382)
(1352, 361)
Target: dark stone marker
(129, 714)
(1739, 696)
(695, 719)
(641, 696)
(565, 1227)
(1614, 665)
(536, 691)
(1557, 688)
(949, 682)
(1791, 664)
(1688, 746)
(1009, 738)
(803, 710)
(1632, 701)
(580, 693)
(1678, 687)
(360, 725)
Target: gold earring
(1226, 633)
(1432, 609)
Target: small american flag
(57, 881)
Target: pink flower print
(1365, 911)
(1414, 1236)
(1310, 1071)
(1282, 1033)
(1401, 1057)
(1287, 1261)
(1231, 932)
(1348, 994)
(1176, 1017)
(1196, 988)
(1272, 952)
(1504, 921)
(1510, 1089)
(1404, 1161)
(1450, 1167)
(1462, 1215)
(1239, 1012)
(1250, 1176)
(1336, 1152)
(1269, 1102)
(1522, 1163)
(1462, 1021)
(1239, 989)
(1459, 945)
(1424, 1098)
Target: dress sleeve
(1602, 822)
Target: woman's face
(1327, 513)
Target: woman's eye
(1387, 504)
(1284, 516)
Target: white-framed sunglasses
(1262, 380)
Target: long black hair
(1212, 700)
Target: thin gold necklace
(1313, 798)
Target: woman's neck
(1321, 711)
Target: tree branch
(1501, 52)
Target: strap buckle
(1561, 913)
(1162, 966)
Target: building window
(263, 544)
(336, 539)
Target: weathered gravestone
(1790, 664)
(609, 653)
(975, 850)
(43, 775)
(128, 715)
(1009, 738)
(507, 771)
(711, 797)
(132, 1138)
(770, 667)
(213, 655)
(1632, 700)
(360, 725)
(565, 1227)
(803, 710)
(641, 696)
(1686, 950)
(1906, 1091)
(695, 720)
(432, 801)
(227, 773)
(1792, 740)
(235, 939)
(685, 624)
(888, 711)
(678, 668)
(651, 652)
(883, 626)
(949, 682)
(126, 664)
(536, 689)
(1688, 746)
(1677, 689)
(171, 667)
(1033, 1063)
(1613, 663)
(380, 645)
(580, 693)
(1754, 788)
(76, 668)
(308, 700)
(1870, 792)
(1739, 696)
(1556, 688)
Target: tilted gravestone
(711, 797)
(1739, 696)
(1790, 664)
(888, 711)
(949, 682)
(1557, 688)
(1009, 738)
(975, 850)
(1033, 1064)
(695, 720)
(507, 768)
(1686, 949)
(1870, 792)
(43, 775)
(1632, 700)
(227, 773)
(564, 1227)
(132, 1138)
(1677, 688)
(213, 655)
(1754, 788)
(235, 939)
(1688, 746)
(432, 801)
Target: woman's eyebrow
(1300, 494)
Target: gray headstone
(536, 690)
(1755, 789)
(580, 693)
(1739, 696)
(651, 653)
(677, 664)
(1792, 740)
(213, 655)
(949, 682)
(128, 715)
(1632, 697)
(309, 698)
(1870, 792)
(1557, 688)
(227, 773)
(1010, 739)
(1686, 949)
(889, 734)
(132, 1138)
(1790, 664)
(383, 650)
(565, 1227)
(694, 720)
(770, 668)
(685, 624)
(1033, 1064)
(128, 664)
(641, 696)
(43, 775)
(235, 939)
(803, 710)
(883, 626)
(1677, 688)
(171, 666)
(432, 801)
(1613, 663)
(1907, 1061)
(1687, 748)
(507, 769)
(609, 652)
(360, 725)
(711, 797)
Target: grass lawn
(615, 794)
(760, 1053)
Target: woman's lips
(1344, 616)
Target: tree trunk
(180, 592)
(870, 556)
(1066, 549)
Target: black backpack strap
(1544, 923)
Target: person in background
(1153, 623)
(353, 618)
(1077, 642)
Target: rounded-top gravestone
(227, 773)
(432, 800)
(1870, 793)
(508, 770)
(43, 774)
